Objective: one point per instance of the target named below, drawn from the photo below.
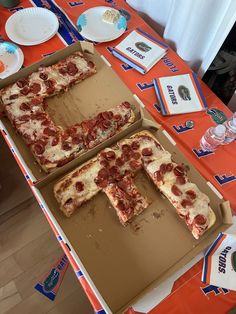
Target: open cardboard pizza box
(120, 263)
(123, 263)
(100, 92)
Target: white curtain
(196, 29)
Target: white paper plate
(32, 26)
(11, 59)
(92, 27)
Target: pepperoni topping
(180, 180)
(110, 155)
(24, 107)
(200, 220)
(102, 183)
(76, 139)
(121, 205)
(126, 148)
(55, 141)
(49, 83)
(163, 168)
(103, 173)
(169, 167)
(158, 176)
(49, 131)
(25, 91)
(134, 164)
(135, 145)
(110, 113)
(39, 149)
(147, 151)
(186, 203)
(119, 162)
(79, 186)
(66, 146)
(125, 157)
(72, 69)
(50, 86)
(35, 88)
(175, 190)
(113, 170)
(89, 138)
(21, 83)
(24, 118)
(126, 104)
(191, 194)
(106, 124)
(105, 115)
(43, 76)
(37, 101)
(122, 185)
(13, 96)
(104, 163)
(136, 156)
(117, 117)
(63, 71)
(179, 170)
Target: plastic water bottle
(213, 137)
(230, 130)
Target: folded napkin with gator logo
(219, 268)
(179, 94)
(140, 50)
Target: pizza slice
(106, 124)
(126, 199)
(171, 179)
(51, 80)
(77, 187)
(59, 148)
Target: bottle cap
(220, 130)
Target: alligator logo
(142, 46)
(51, 281)
(233, 260)
(217, 115)
(184, 92)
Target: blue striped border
(199, 89)
(152, 38)
(124, 59)
(66, 29)
(205, 262)
(49, 294)
(163, 109)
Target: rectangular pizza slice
(126, 199)
(51, 80)
(77, 187)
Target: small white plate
(92, 27)
(11, 59)
(31, 26)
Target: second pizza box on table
(99, 92)
(122, 263)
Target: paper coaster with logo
(179, 94)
